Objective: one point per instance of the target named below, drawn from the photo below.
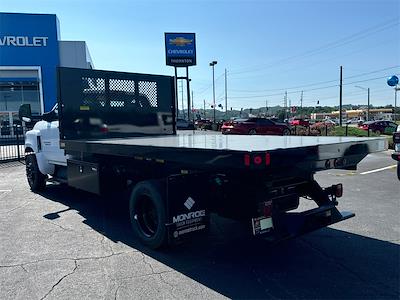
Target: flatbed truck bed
(214, 150)
(117, 134)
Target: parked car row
(5, 127)
(255, 126)
(271, 126)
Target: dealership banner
(180, 49)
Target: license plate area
(262, 225)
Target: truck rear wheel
(148, 214)
(36, 180)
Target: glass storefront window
(13, 94)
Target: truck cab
(43, 140)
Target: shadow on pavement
(326, 264)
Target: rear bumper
(396, 156)
(292, 224)
(228, 130)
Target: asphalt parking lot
(66, 244)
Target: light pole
(396, 88)
(212, 64)
(365, 89)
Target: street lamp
(365, 89)
(212, 64)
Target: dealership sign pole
(180, 51)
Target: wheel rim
(252, 131)
(286, 132)
(146, 216)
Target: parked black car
(5, 128)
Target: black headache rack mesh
(98, 104)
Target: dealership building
(31, 49)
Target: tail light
(267, 209)
(257, 160)
(396, 137)
(335, 190)
(338, 190)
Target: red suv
(255, 126)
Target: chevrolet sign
(23, 41)
(180, 49)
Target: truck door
(51, 144)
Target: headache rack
(106, 104)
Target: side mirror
(25, 113)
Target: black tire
(378, 132)
(286, 132)
(148, 214)
(398, 170)
(36, 180)
(252, 131)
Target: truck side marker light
(267, 159)
(247, 160)
(257, 160)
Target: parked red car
(255, 126)
(203, 124)
(299, 122)
(385, 127)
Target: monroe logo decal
(189, 216)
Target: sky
(267, 47)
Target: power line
(343, 41)
(210, 85)
(316, 83)
(309, 90)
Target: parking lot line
(378, 170)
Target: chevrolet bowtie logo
(180, 41)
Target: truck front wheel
(398, 170)
(36, 180)
(148, 214)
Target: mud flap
(187, 206)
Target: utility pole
(290, 108)
(266, 107)
(226, 97)
(368, 107)
(204, 103)
(188, 93)
(340, 96)
(285, 104)
(183, 107)
(301, 100)
(192, 106)
(212, 64)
